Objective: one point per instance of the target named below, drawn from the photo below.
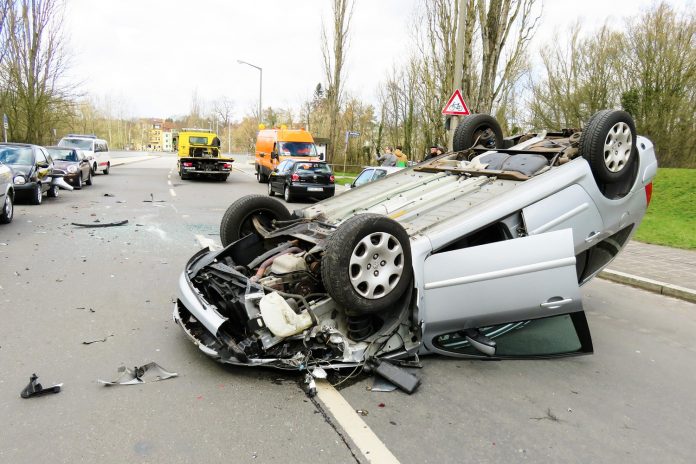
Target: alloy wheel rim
(286, 194)
(8, 208)
(617, 147)
(270, 189)
(376, 265)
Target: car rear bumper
(305, 190)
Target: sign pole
(5, 125)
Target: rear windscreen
(198, 140)
(314, 168)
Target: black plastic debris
(396, 375)
(96, 340)
(101, 224)
(150, 372)
(109, 195)
(34, 388)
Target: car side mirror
(274, 156)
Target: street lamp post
(260, 83)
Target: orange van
(273, 146)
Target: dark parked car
(6, 195)
(75, 164)
(302, 179)
(33, 171)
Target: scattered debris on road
(96, 340)
(109, 195)
(34, 388)
(102, 224)
(152, 200)
(150, 372)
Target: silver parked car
(477, 253)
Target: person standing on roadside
(401, 158)
(388, 158)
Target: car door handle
(592, 236)
(553, 304)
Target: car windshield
(82, 144)
(16, 155)
(297, 149)
(198, 140)
(312, 168)
(62, 155)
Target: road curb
(650, 285)
(115, 162)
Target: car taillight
(295, 177)
(188, 164)
(648, 193)
(331, 179)
(227, 165)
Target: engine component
(279, 317)
(288, 263)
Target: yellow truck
(200, 156)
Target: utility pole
(458, 55)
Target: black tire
(260, 176)
(108, 168)
(237, 220)
(7, 212)
(287, 195)
(270, 190)
(79, 182)
(89, 178)
(182, 175)
(608, 143)
(36, 195)
(94, 168)
(342, 278)
(52, 191)
(480, 129)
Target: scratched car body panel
(477, 253)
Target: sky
(148, 57)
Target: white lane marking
(207, 242)
(169, 182)
(364, 438)
(172, 192)
(252, 174)
(185, 216)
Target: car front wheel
(238, 220)
(89, 178)
(608, 143)
(37, 195)
(53, 191)
(7, 210)
(366, 267)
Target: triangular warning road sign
(455, 105)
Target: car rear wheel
(366, 266)
(89, 178)
(477, 129)
(260, 177)
(108, 167)
(94, 168)
(238, 220)
(270, 190)
(287, 195)
(7, 210)
(608, 143)
(37, 195)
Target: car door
(487, 288)
(363, 178)
(277, 178)
(42, 167)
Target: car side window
(40, 156)
(106, 147)
(282, 166)
(288, 167)
(379, 173)
(364, 177)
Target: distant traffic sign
(455, 105)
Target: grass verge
(671, 216)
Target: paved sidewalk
(665, 270)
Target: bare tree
(34, 69)
(334, 60)
(506, 28)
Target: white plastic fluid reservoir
(279, 317)
(288, 263)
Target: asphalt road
(61, 285)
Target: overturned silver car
(477, 253)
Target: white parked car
(97, 150)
